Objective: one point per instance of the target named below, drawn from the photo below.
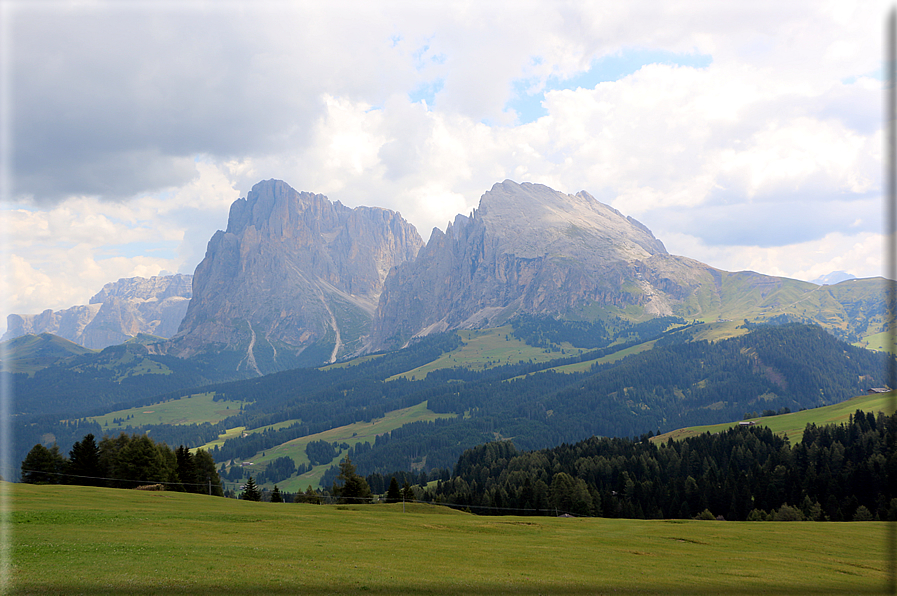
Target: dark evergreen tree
(206, 473)
(353, 488)
(43, 466)
(140, 462)
(84, 463)
(250, 491)
(276, 496)
(393, 494)
(186, 470)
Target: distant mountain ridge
(117, 313)
(833, 278)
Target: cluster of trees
(321, 452)
(125, 461)
(547, 332)
(837, 472)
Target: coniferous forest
(680, 382)
(837, 472)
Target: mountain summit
(293, 280)
(526, 248)
(532, 220)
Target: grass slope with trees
(616, 391)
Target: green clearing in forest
(192, 409)
(81, 540)
(351, 434)
(487, 348)
(792, 425)
(882, 342)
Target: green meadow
(81, 540)
(191, 409)
(351, 434)
(792, 425)
(485, 348)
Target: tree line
(125, 461)
(837, 472)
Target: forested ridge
(837, 472)
(676, 384)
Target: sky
(745, 135)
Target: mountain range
(541, 316)
(298, 280)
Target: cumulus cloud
(136, 125)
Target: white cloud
(136, 126)
(857, 254)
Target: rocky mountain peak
(526, 248)
(531, 220)
(294, 279)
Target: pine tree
(84, 463)
(393, 494)
(354, 489)
(276, 496)
(186, 470)
(250, 491)
(43, 466)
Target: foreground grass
(76, 540)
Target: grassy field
(351, 434)
(192, 409)
(881, 342)
(79, 540)
(792, 425)
(486, 348)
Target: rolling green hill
(527, 381)
(792, 425)
(31, 353)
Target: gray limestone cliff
(118, 312)
(294, 280)
(528, 248)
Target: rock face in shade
(121, 310)
(528, 248)
(294, 280)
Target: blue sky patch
(427, 91)
(528, 105)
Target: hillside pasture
(351, 434)
(190, 409)
(80, 540)
(486, 348)
(792, 425)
